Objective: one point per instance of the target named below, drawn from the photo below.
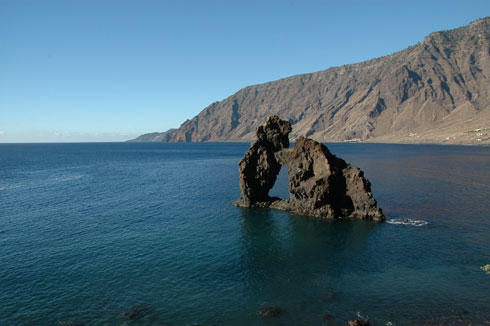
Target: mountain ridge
(435, 91)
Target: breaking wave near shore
(407, 221)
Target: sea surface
(88, 231)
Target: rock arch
(320, 184)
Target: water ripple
(97, 228)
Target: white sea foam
(74, 177)
(6, 187)
(407, 221)
(361, 316)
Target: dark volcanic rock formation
(320, 184)
(259, 167)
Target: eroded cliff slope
(434, 92)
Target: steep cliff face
(435, 91)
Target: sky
(110, 70)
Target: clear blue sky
(106, 70)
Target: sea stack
(320, 184)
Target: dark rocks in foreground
(320, 184)
(270, 312)
(137, 312)
(459, 312)
(68, 323)
(358, 323)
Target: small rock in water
(358, 322)
(329, 297)
(270, 312)
(486, 268)
(137, 312)
(68, 323)
(406, 220)
(459, 311)
(327, 316)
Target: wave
(407, 221)
(75, 177)
(7, 187)
(37, 183)
(359, 316)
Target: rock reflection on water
(299, 263)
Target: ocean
(89, 231)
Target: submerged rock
(328, 297)
(358, 323)
(270, 311)
(459, 312)
(68, 323)
(486, 268)
(137, 312)
(327, 316)
(320, 184)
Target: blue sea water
(88, 231)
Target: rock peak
(275, 131)
(320, 184)
(259, 167)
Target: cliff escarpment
(434, 92)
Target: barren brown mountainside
(437, 91)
